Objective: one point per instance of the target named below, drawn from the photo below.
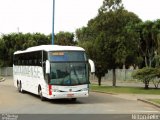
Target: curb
(149, 102)
(103, 92)
(3, 79)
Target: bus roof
(51, 48)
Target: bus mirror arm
(92, 66)
(47, 67)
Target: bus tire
(73, 99)
(19, 84)
(41, 94)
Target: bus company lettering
(29, 71)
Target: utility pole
(53, 23)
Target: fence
(121, 74)
(6, 71)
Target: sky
(36, 15)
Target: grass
(125, 90)
(157, 101)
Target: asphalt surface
(13, 102)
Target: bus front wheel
(40, 94)
(73, 99)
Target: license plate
(70, 95)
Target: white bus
(52, 71)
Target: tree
(146, 42)
(100, 57)
(111, 5)
(145, 74)
(149, 49)
(1, 52)
(114, 41)
(10, 43)
(64, 38)
(120, 43)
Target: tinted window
(30, 58)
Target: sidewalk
(136, 96)
(2, 79)
(140, 97)
(7, 81)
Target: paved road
(97, 103)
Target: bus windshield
(68, 68)
(69, 73)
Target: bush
(147, 74)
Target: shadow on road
(54, 101)
(94, 98)
(64, 101)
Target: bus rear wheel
(20, 87)
(41, 94)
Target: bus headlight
(84, 89)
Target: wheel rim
(40, 94)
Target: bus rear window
(67, 56)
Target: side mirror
(47, 67)
(92, 66)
